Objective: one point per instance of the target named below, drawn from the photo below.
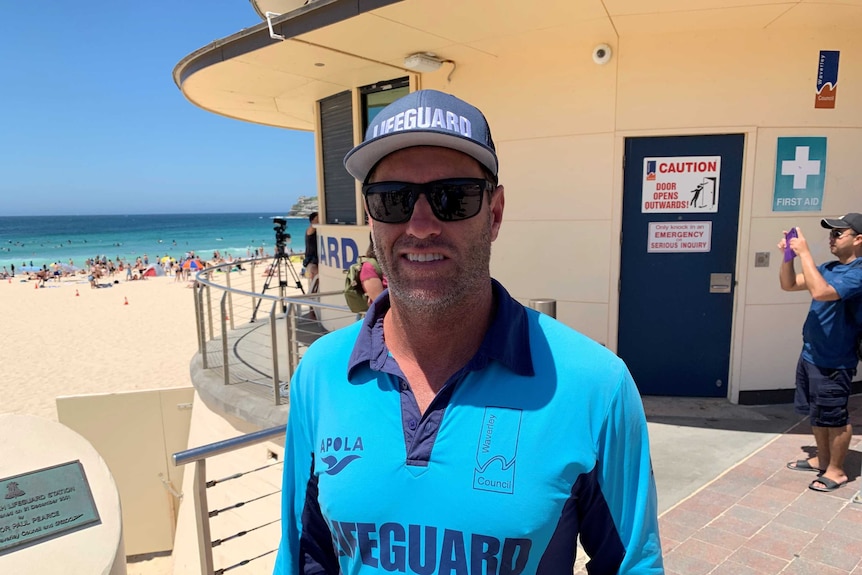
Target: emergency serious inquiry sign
(682, 184)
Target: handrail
(226, 445)
(198, 456)
(201, 277)
(253, 351)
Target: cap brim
(365, 156)
(833, 224)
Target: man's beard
(470, 277)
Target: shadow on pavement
(719, 414)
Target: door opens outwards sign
(670, 237)
(681, 184)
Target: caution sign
(683, 184)
(670, 237)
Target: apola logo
(341, 446)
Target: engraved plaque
(40, 505)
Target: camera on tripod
(281, 235)
(281, 267)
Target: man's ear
(498, 202)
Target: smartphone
(788, 253)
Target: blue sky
(91, 121)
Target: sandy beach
(68, 338)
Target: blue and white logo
(497, 449)
(338, 452)
(800, 174)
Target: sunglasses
(451, 200)
(835, 234)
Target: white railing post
(210, 311)
(202, 518)
(202, 334)
(229, 296)
(224, 343)
(276, 380)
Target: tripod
(281, 260)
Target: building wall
(560, 122)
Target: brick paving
(760, 518)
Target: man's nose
(423, 222)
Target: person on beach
(453, 430)
(827, 363)
(310, 262)
(373, 282)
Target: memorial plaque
(44, 504)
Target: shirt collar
(506, 341)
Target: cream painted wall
(136, 432)
(560, 122)
(733, 78)
(773, 324)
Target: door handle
(720, 283)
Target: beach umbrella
(192, 265)
(166, 259)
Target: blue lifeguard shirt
(540, 438)
(829, 332)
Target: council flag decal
(827, 79)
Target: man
(828, 360)
(454, 430)
(310, 261)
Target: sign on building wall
(682, 184)
(827, 79)
(800, 173)
(669, 237)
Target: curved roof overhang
(254, 77)
(335, 45)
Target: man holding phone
(828, 360)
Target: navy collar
(506, 341)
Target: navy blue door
(677, 277)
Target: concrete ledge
(243, 401)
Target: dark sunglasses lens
(456, 200)
(389, 202)
(450, 200)
(836, 233)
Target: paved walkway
(760, 518)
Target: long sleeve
(627, 483)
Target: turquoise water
(40, 240)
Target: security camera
(602, 54)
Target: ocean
(42, 240)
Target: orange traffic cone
(125, 301)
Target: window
(377, 96)
(336, 136)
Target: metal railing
(203, 514)
(243, 344)
(254, 322)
